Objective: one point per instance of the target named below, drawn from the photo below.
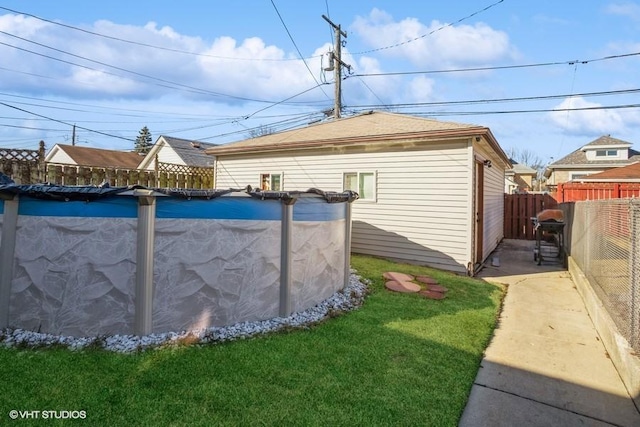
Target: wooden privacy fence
(518, 211)
(579, 191)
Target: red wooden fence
(518, 211)
(578, 191)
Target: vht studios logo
(60, 415)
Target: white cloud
(628, 9)
(435, 44)
(111, 68)
(587, 122)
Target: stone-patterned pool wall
(76, 265)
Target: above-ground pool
(86, 261)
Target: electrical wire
(431, 32)
(500, 67)
(168, 49)
(541, 110)
(498, 100)
(65, 123)
(167, 83)
(297, 49)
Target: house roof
(371, 127)
(99, 157)
(606, 141)
(192, 152)
(620, 174)
(521, 169)
(579, 157)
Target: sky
(546, 76)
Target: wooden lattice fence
(28, 167)
(23, 166)
(182, 176)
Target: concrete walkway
(545, 365)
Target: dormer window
(606, 153)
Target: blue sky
(220, 71)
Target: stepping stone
(398, 277)
(432, 294)
(427, 280)
(437, 288)
(402, 286)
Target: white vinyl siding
(167, 154)
(422, 209)
(61, 157)
(493, 231)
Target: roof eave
(620, 180)
(588, 165)
(354, 141)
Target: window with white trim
(364, 183)
(271, 181)
(606, 153)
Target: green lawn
(398, 360)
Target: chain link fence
(603, 238)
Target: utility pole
(73, 136)
(336, 66)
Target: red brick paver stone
(398, 277)
(432, 294)
(427, 280)
(437, 288)
(402, 286)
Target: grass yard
(399, 360)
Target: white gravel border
(347, 299)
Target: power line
(185, 52)
(500, 67)
(298, 120)
(541, 110)
(498, 100)
(297, 49)
(177, 85)
(431, 32)
(65, 123)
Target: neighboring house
(616, 183)
(597, 156)
(177, 151)
(519, 179)
(630, 173)
(431, 192)
(75, 155)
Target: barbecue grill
(548, 226)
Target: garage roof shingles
(374, 125)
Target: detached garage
(431, 192)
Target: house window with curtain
(271, 181)
(364, 183)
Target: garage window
(364, 183)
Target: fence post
(347, 243)
(7, 254)
(285, 256)
(144, 261)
